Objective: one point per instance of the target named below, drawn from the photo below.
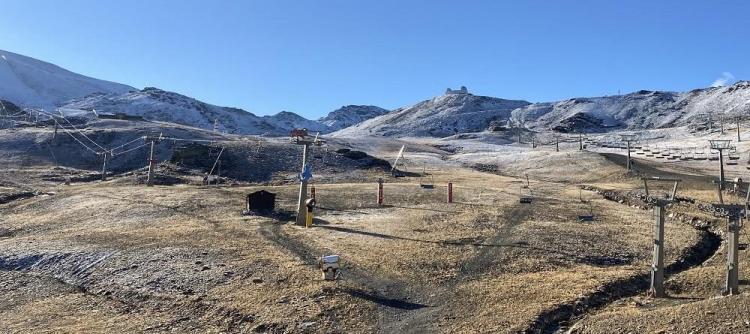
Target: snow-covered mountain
(160, 105)
(288, 120)
(28, 82)
(456, 111)
(639, 110)
(347, 116)
(156, 104)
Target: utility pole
(738, 129)
(557, 143)
(656, 288)
(628, 138)
(104, 164)
(720, 145)
(300, 137)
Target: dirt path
(392, 297)
(423, 320)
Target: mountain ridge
(26, 81)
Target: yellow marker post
(310, 204)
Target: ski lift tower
(628, 138)
(733, 212)
(660, 203)
(738, 119)
(300, 137)
(151, 161)
(720, 145)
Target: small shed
(261, 201)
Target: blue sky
(311, 57)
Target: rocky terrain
(347, 116)
(638, 110)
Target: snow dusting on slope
(32, 83)
(639, 110)
(441, 116)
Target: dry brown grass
(484, 263)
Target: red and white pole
(450, 192)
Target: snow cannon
(329, 265)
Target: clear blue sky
(311, 57)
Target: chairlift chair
(525, 199)
(587, 217)
(733, 155)
(700, 155)
(424, 185)
(685, 155)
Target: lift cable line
(77, 129)
(130, 150)
(78, 140)
(199, 140)
(126, 144)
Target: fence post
(380, 191)
(450, 192)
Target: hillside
(288, 120)
(639, 110)
(156, 104)
(347, 116)
(28, 82)
(440, 116)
